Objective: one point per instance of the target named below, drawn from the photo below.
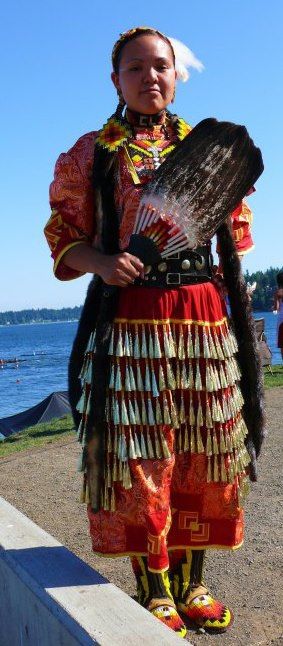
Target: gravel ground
(43, 484)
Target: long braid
(120, 107)
(98, 313)
(248, 356)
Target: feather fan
(195, 189)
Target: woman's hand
(121, 269)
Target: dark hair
(127, 36)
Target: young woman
(159, 376)
(278, 309)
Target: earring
(174, 94)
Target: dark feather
(208, 173)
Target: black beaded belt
(184, 268)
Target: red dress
(176, 461)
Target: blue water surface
(42, 353)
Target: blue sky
(55, 85)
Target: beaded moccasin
(165, 611)
(205, 611)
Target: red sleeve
(242, 218)
(71, 200)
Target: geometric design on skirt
(199, 531)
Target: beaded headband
(182, 55)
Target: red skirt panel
(168, 507)
(201, 302)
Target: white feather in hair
(184, 58)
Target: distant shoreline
(47, 322)
(40, 315)
(75, 320)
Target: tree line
(262, 301)
(43, 315)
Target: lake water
(42, 352)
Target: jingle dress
(175, 474)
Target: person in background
(176, 466)
(278, 309)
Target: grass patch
(275, 378)
(46, 433)
(50, 432)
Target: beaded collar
(116, 132)
(145, 120)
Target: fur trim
(248, 355)
(87, 323)
(98, 313)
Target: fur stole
(248, 355)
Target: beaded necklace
(118, 132)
